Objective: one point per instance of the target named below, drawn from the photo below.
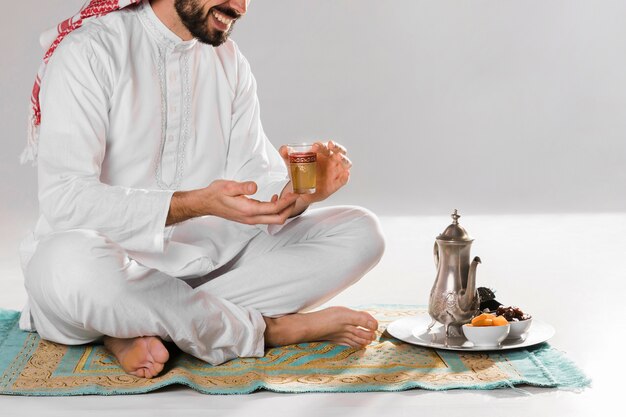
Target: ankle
(285, 330)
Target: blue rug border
(553, 367)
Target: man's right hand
(229, 200)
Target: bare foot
(141, 356)
(335, 324)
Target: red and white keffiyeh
(49, 41)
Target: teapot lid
(455, 232)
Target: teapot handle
(436, 254)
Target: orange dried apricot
(500, 321)
(486, 319)
(483, 320)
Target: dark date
(512, 313)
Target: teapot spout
(470, 295)
(471, 277)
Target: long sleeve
(75, 98)
(251, 156)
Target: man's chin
(212, 40)
(216, 38)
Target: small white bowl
(519, 328)
(482, 336)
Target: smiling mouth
(222, 17)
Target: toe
(158, 350)
(157, 368)
(140, 372)
(351, 342)
(344, 342)
(365, 320)
(372, 323)
(354, 317)
(363, 333)
(358, 342)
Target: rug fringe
(562, 371)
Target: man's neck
(166, 12)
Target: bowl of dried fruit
(520, 322)
(486, 330)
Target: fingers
(329, 148)
(279, 218)
(343, 160)
(334, 151)
(322, 148)
(337, 148)
(266, 219)
(339, 169)
(284, 153)
(344, 178)
(234, 188)
(239, 207)
(275, 206)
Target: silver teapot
(453, 298)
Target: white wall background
(489, 106)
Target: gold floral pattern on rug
(386, 362)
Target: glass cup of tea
(302, 167)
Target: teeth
(225, 20)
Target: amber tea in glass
(302, 167)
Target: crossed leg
(146, 356)
(255, 300)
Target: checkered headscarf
(49, 41)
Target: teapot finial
(455, 232)
(455, 217)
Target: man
(166, 214)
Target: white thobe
(131, 113)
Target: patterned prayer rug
(31, 366)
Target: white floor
(568, 270)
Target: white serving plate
(413, 330)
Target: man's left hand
(333, 170)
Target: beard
(197, 21)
